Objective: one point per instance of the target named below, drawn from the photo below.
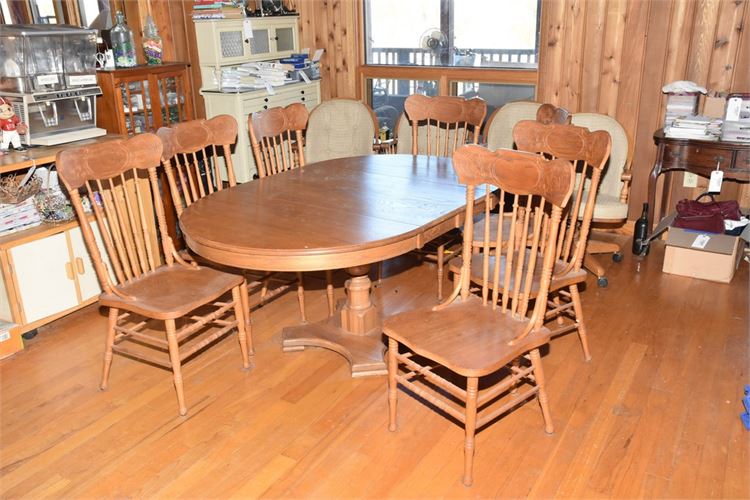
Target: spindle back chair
(589, 152)
(441, 124)
(119, 178)
(277, 142)
(438, 126)
(476, 336)
(191, 157)
(276, 138)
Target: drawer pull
(301, 91)
(265, 107)
(79, 265)
(303, 98)
(266, 99)
(69, 271)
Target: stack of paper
(212, 9)
(736, 131)
(254, 75)
(680, 105)
(14, 217)
(694, 127)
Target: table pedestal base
(354, 331)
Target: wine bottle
(640, 244)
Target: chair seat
(560, 278)
(172, 291)
(466, 336)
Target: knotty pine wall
(606, 56)
(613, 57)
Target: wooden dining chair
(196, 159)
(276, 136)
(144, 280)
(433, 352)
(589, 152)
(437, 126)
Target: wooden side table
(698, 157)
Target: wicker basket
(12, 193)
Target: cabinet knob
(266, 99)
(301, 91)
(276, 38)
(303, 98)
(265, 107)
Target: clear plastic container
(31, 58)
(123, 44)
(152, 43)
(79, 57)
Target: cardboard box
(10, 339)
(713, 107)
(707, 256)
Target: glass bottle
(123, 44)
(640, 245)
(152, 43)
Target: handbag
(708, 217)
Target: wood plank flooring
(654, 414)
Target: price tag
(83, 79)
(714, 184)
(247, 29)
(269, 89)
(701, 241)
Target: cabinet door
(88, 282)
(260, 43)
(43, 271)
(285, 40)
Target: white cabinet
(47, 274)
(44, 261)
(223, 42)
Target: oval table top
(328, 215)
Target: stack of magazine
(694, 127)
(14, 217)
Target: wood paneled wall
(613, 57)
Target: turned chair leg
(242, 335)
(470, 425)
(174, 357)
(580, 326)
(440, 266)
(392, 384)
(301, 297)
(110, 340)
(329, 293)
(245, 302)
(536, 362)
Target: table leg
(655, 171)
(355, 332)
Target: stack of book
(736, 131)
(680, 105)
(254, 75)
(18, 216)
(212, 9)
(694, 127)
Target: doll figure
(11, 127)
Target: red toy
(11, 127)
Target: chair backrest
(276, 138)
(340, 128)
(621, 154)
(438, 125)
(540, 188)
(191, 157)
(119, 178)
(589, 152)
(499, 130)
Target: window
(485, 48)
(480, 33)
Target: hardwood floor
(654, 414)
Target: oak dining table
(345, 213)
